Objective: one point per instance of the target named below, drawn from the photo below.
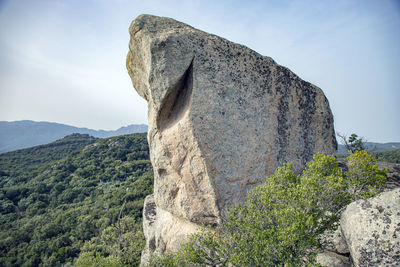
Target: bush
(122, 241)
(282, 219)
(92, 259)
(363, 177)
(6, 206)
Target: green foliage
(281, 220)
(388, 156)
(123, 240)
(93, 259)
(353, 143)
(363, 177)
(56, 197)
(28, 162)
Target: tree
(353, 143)
(281, 220)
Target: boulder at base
(221, 117)
(371, 228)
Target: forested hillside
(388, 156)
(56, 197)
(19, 160)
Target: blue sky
(64, 61)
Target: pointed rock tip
(153, 23)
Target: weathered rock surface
(221, 117)
(371, 228)
(330, 259)
(334, 241)
(163, 230)
(393, 174)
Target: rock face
(330, 259)
(368, 232)
(371, 229)
(333, 241)
(221, 117)
(162, 229)
(393, 174)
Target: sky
(64, 60)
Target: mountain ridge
(21, 134)
(372, 147)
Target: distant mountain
(373, 147)
(45, 153)
(22, 134)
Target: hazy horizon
(96, 129)
(64, 61)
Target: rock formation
(371, 228)
(368, 232)
(221, 118)
(330, 259)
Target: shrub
(363, 177)
(282, 219)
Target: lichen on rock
(371, 228)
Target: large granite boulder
(371, 228)
(221, 117)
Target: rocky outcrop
(221, 118)
(368, 234)
(162, 229)
(371, 228)
(393, 174)
(333, 241)
(331, 259)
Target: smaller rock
(330, 259)
(333, 241)
(371, 228)
(393, 174)
(164, 232)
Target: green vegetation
(78, 201)
(76, 193)
(281, 220)
(388, 156)
(118, 245)
(353, 143)
(356, 143)
(28, 161)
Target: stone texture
(393, 174)
(334, 241)
(221, 117)
(371, 228)
(163, 230)
(330, 259)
